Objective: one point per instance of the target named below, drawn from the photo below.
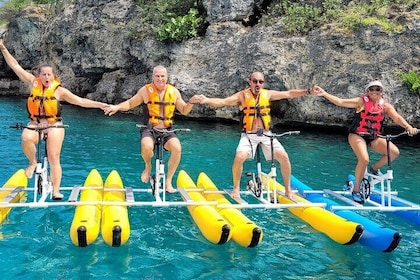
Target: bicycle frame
(42, 184)
(258, 184)
(158, 180)
(372, 179)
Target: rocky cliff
(97, 56)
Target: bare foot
(29, 171)
(169, 188)
(235, 194)
(291, 195)
(145, 176)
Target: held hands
(318, 91)
(198, 99)
(2, 46)
(110, 109)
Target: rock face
(92, 45)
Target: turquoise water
(164, 242)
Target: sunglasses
(374, 89)
(258, 81)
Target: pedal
(153, 184)
(254, 188)
(39, 187)
(365, 188)
(250, 185)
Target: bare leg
(358, 144)
(379, 146)
(54, 144)
(29, 140)
(147, 146)
(286, 171)
(237, 168)
(174, 147)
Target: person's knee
(363, 160)
(395, 152)
(54, 159)
(240, 157)
(26, 138)
(282, 157)
(147, 147)
(174, 148)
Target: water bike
(376, 189)
(13, 191)
(157, 180)
(266, 189)
(370, 179)
(255, 184)
(42, 185)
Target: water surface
(164, 242)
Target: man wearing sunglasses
(371, 109)
(254, 104)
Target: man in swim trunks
(159, 99)
(254, 103)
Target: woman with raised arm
(44, 109)
(371, 109)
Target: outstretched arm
(348, 103)
(66, 95)
(134, 101)
(293, 93)
(182, 106)
(23, 75)
(232, 100)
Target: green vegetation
(301, 18)
(178, 20)
(181, 27)
(298, 18)
(18, 5)
(169, 20)
(411, 80)
(11, 7)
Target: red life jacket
(370, 117)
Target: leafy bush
(300, 19)
(10, 8)
(411, 80)
(181, 27)
(169, 20)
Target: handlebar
(20, 126)
(270, 134)
(392, 136)
(388, 137)
(283, 134)
(164, 130)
